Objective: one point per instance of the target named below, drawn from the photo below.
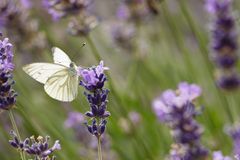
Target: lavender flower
(228, 80)
(39, 148)
(136, 10)
(177, 110)
(217, 155)
(23, 31)
(82, 25)
(234, 132)
(82, 21)
(7, 94)
(224, 43)
(75, 121)
(185, 152)
(131, 13)
(62, 8)
(123, 35)
(129, 124)
(135, 118)
(93, 80)
(26, 3)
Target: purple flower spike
(234, 132)
(217, 155)
(224, 45)
(177, 110)
(93, 80)
(7, 94)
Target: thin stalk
(22, 155)
(95, 52)
(99, 148)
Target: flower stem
(95, 52)
(99, 148)
(22, 155)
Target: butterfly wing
(62, 86)
(60, 57)
(42, 71)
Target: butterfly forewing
(42, 71)
(62, 86)
(60, 57)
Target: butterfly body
(72, 69)
(60, 78)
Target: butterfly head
(73, 68)
(72, 65)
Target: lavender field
(119, 80)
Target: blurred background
(148, 47)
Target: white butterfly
(60, 78)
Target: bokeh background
(165, 49)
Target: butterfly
(60, 78)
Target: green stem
(95, 52)
(99, 149)
(22, 155)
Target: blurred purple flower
(234, 132)
(123, 35)
(82, 21)
(186, 152)
(177, 110)
(123, 12)
(74, 119)
(229, 80)
(224, 43)
(26, 3)
(136, 10)
(61, 8)
(19, 27)
(7, 94)
(217, 155)
(134, 117)
(213, 6)
(7, 10)
(170, 99)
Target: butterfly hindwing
(62, 86)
